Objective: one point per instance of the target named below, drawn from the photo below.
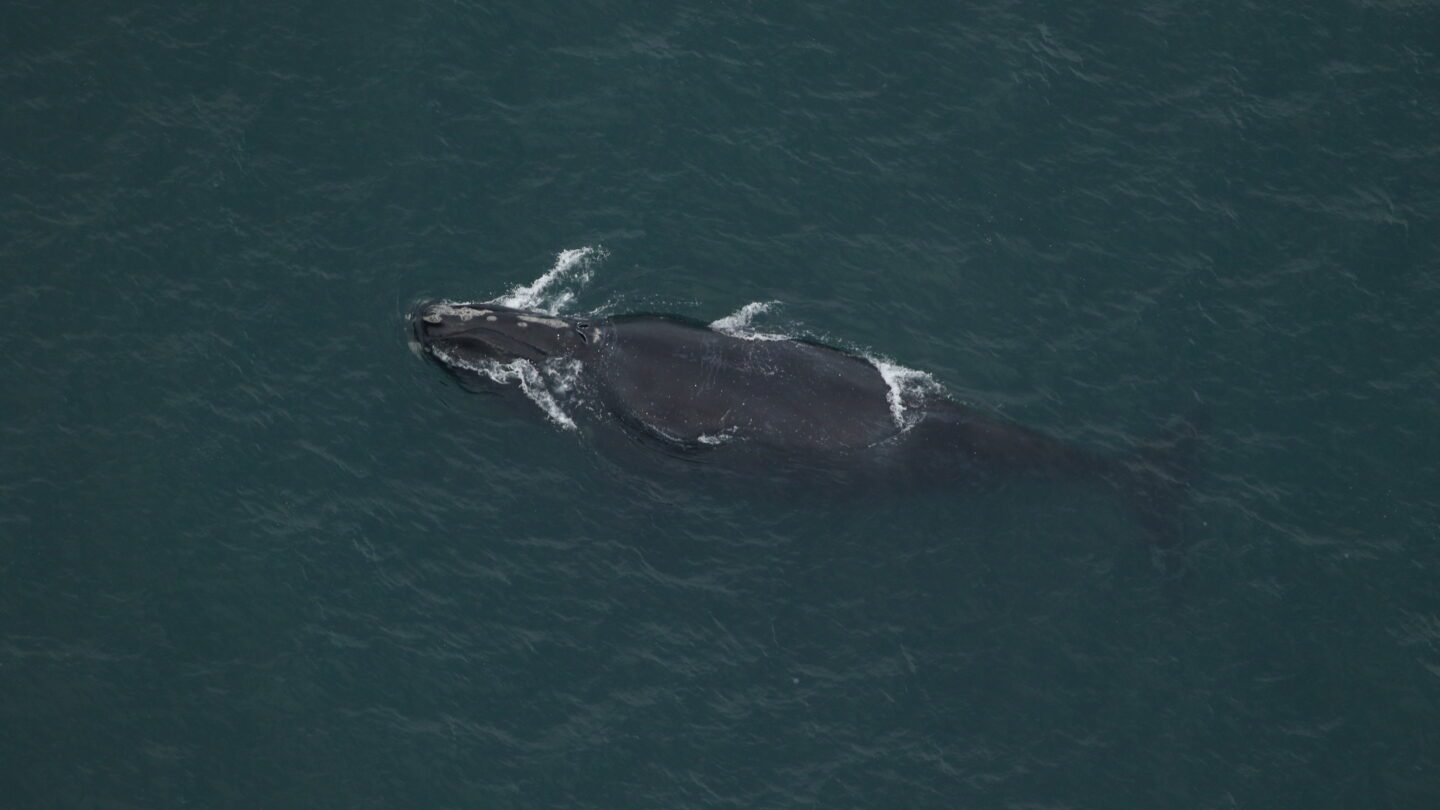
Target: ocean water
(255, 553)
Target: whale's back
(685, 382)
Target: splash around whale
(718, 394)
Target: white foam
(741, 318)
(519, 372)
(904, 383)
(714, 439)
(738, 323)
(563, 374)
(550, 293)
(556, 288)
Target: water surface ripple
(253, 552)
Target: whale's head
(466, 335)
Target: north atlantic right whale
(696, 392)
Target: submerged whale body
(698, 392)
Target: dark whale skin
(784, 404)
(683, 381)
(687, 382)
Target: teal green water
(254, 553)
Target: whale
(690, 391)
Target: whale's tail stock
(1158, 482)
(1154, 480)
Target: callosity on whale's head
(467, 334)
